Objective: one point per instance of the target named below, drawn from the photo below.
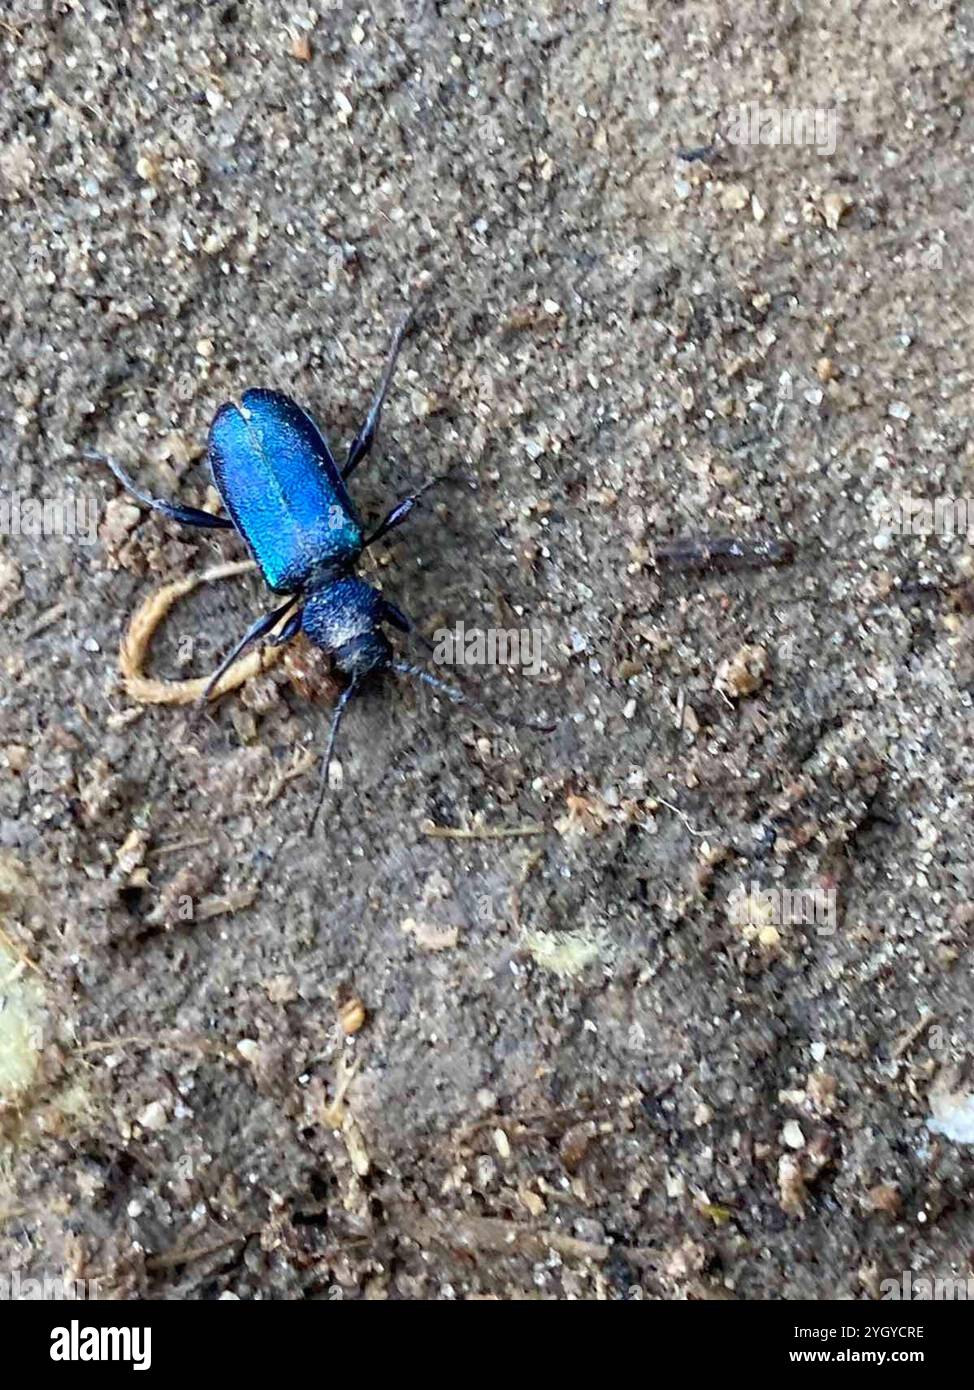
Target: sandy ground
(578, 1073)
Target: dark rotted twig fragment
(725, 552)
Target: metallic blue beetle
(286, 496)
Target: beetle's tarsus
(336, 720)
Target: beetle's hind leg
(189, 516)
(255, 633)
(365, 438)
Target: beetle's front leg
(389, 613)
(365, 438)
(401, 510)
(257, 630)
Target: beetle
(288, 499)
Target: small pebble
(792, 1135)
(352, 1016)
(734, 197)
(155, 1116)
(743, 673)
(835, 206)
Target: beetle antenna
(405, 668)
(336, 720)
(124, 478)
(187, 516)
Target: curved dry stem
(133, 651)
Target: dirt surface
(576, 1073)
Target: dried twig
(143, 1040)
(912, 1035)
(177, 846)
(300, 764)
(134, 649)
(18, 951)
(173, 1258)
(500, 832)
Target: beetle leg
(365, 438)
(395, 518)
(189, 516)
(399, 512)
(391, 614)
(336, 720)
(254, 633)
(290, 629)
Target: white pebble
(154, 1116)
(792, 1135)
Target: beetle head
(363, 654)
